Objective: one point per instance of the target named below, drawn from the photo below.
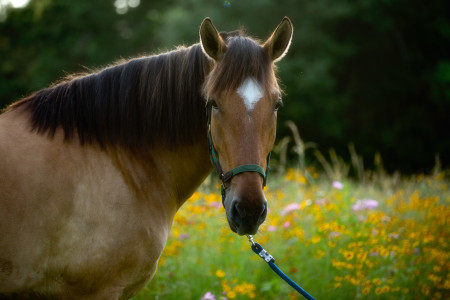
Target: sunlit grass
(339, 240)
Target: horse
(94, 167)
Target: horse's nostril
(263, 215)
(236, 213)
(237, 209)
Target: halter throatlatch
(225, 178)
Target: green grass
(397, 250)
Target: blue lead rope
(258, 249)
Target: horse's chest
(120, 248)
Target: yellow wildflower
(425, 290)
(366, 290)
(319, 254)
(225, 287)
(195, 196)
(378, 291)
(349, 255)
(354, 281)
(324, 226)
(290, 175)
(376, 281)
(240, 289)
(369, 264)
(315, 239)
(279, 194)
(434, 278)
(231, 294)
(161, 261)
(361, 256)
(220, 273)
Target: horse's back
(55, 240)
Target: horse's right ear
(211, 41)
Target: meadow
(383, 238)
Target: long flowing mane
(139, 102)
(147, 100)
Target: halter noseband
(225, 178)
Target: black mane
(136, 103)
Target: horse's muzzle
(244, 214)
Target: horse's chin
(233, 227)
(240, 232)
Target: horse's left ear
(211, 41)
(278, 43)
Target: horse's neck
(156, 175)
(189, 166)
(162, 174)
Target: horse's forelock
(243, 58)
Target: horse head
(243, 97)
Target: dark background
(374, 73)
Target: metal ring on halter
(250, 239)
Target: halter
(225, 178)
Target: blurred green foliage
(375, 73)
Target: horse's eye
(278, 105)
(213, 104)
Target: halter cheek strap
(233, 172)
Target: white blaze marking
(251, 92)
